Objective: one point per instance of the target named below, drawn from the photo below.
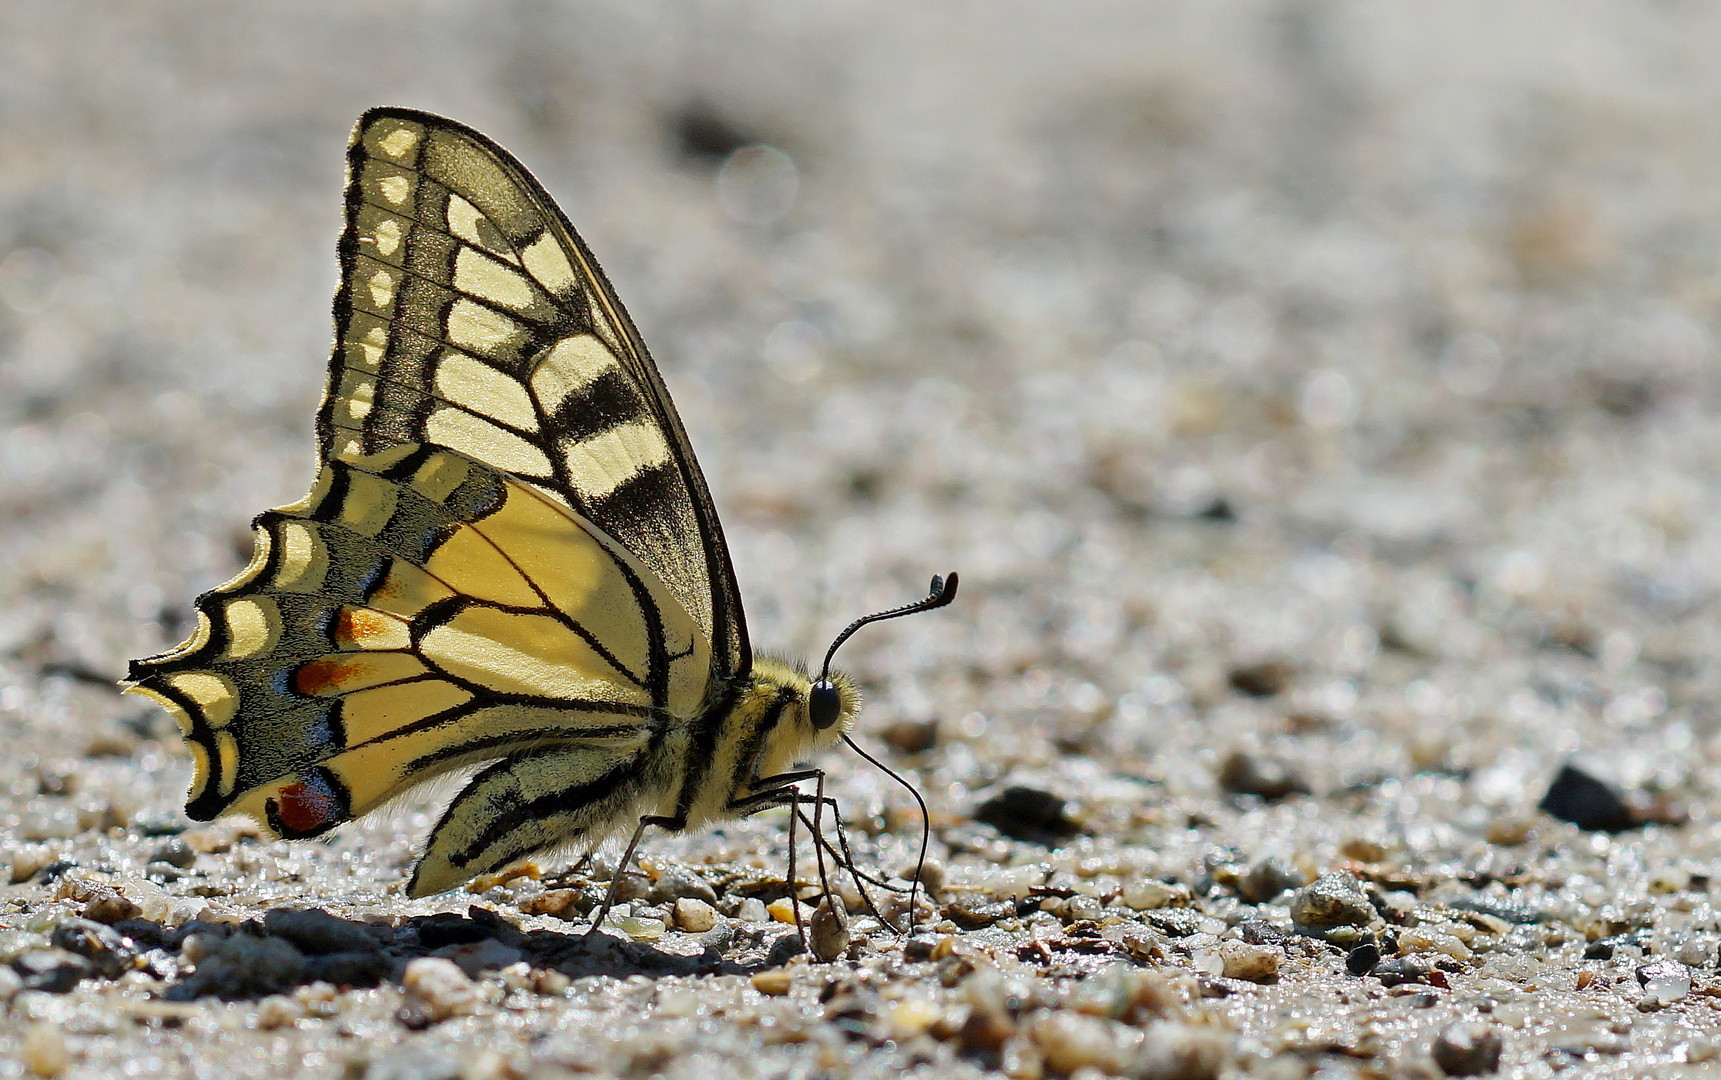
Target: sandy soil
(1317, 398)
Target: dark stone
(1599, 950)
(1587, 802)
(107, 950)
(1267, 879)
(1363, 958)
(972, 913)
(1256, 774)
(1467, 1049)
(448, 928)
(1509, 910)
(52, 971)
(1403, 969)
(347, 968)
(317, 933)
(1261, 680)
(175, 852)
(1176, 922)
(1261, 932)
(1025, 813)
(919, 948)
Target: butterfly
(509, 562)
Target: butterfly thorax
(761, 730)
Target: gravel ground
(1317, 398)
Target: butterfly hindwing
(418, 612)
(471, 316)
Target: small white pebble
(1071, 1041)
(1146, 894)
(439, 988)
(773, 982)
(1422, 939)
(752, 910)
(910, 1017)
(44, 1051)
(1252, 963)
(694, 915)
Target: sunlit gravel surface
(1318, 399)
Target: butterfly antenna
(925, 823)
(942, 592)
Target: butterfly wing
(509, 555)
(470, 315)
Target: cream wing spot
(476, 437)
(214, 694)
(252, 627)
(382, 286)
(369, 504)
(463, 220)
(399, 143)
(572, 363)
(480, 275)
(548, 262)
(607, 461)
(478, 329)
(387, 235)
(480, 388)
(393, 189)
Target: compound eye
(824, 704)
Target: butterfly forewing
(471, 316)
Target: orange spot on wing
(303, 808)
(321, 677)
(359, 628)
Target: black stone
(1587, 802)
(1029, 814)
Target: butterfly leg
(780, 790)
(672, 824)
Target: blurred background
(1327, 382)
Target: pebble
(107, 950)
(1175, 1051)
(52, 971)
(1267, 879)
(1333, 899)
(972, 913)
(10, 983)
(911, 1016)
(1029, 814)
(694, 915)
(772, 982)
(678, 883)
(1251, 963)
(1467, 1049)
(1267, 778)
(1665, 981)
(436, 989)
(315, 932)
(1147, 894)
(567, 904)
(175, 852)
(783, 910)
(44, 1051)
(1421, 939)
(752, 910)
(1586, 801)
(828, 936)
(1070, 1041)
